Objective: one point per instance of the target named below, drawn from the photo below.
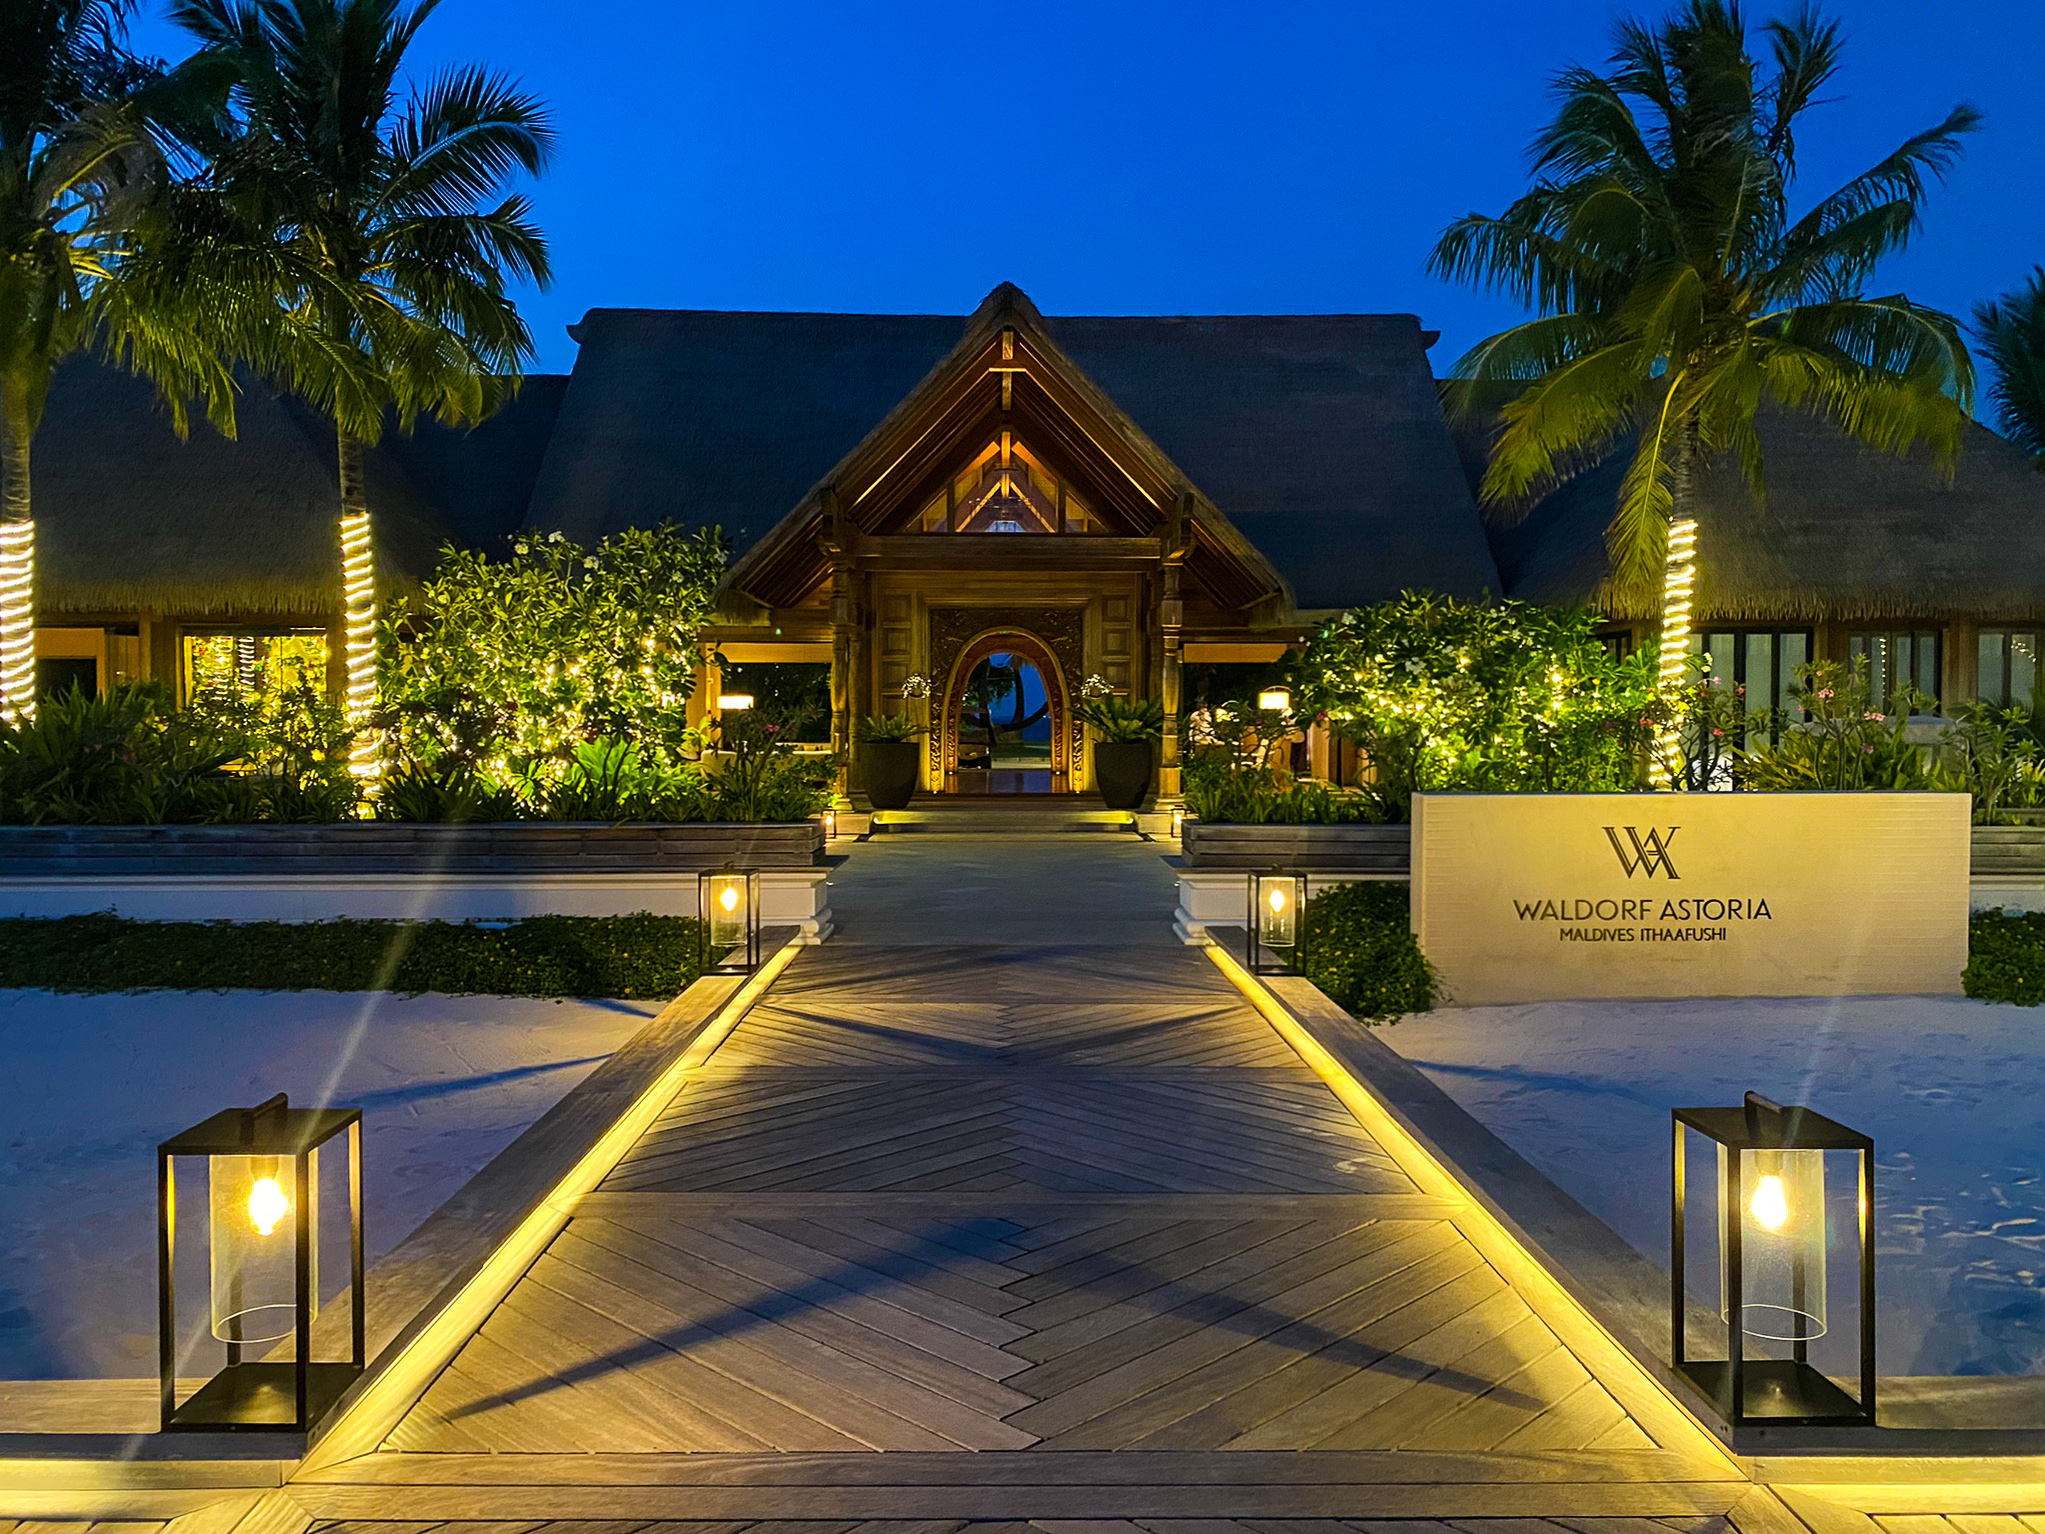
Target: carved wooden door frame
(1053, 638)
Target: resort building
(1178, 496)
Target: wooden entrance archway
(1057, 697)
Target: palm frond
(1904, 175)
(2011, 330)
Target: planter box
(371, 847)
(1350, 848)
(2009, 850)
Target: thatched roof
(1316, 436)
(1845, 532)
(131, 519)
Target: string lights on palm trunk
(358, 592)
(17, 621)
(1679, 581)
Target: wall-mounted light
(734, 702)
(1780, 1253)
(1274, 916)
(262, 1213)
(1275, 700)
(728, 906)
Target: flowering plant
(514, 662)
(1095, 686)
(915, 685)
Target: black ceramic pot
(1122, 772)
(890, 772)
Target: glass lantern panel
(253, 1225)
(1782, 1244)
(728, 911)
(1278, 902)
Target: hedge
(628, 957)
(2006, 958)
(1357, 945)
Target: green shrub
(1837, 738)
(2006, 958)
(631, 957)
(1493, 697)
(1357, 945)
(1222, 793)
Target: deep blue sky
(1144, 156)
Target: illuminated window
(2009, 667)
(254, 663)
(1763, 661)
(1907, 658)
(1006, 489)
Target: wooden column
(1171, 616)
(842, 615)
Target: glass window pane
(1927, 668)
(1990, 684)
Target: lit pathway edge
(404, 1368)
(1605, 1299)
(1317, 1031)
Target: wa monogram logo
(1638, 853)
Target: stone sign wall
(1544, 897)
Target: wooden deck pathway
(951, 1236)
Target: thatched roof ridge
(1315, 436)
(1845, 531)
(129, 518)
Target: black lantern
(728, 906)
(1783, 1262)
(829, 821)
(262, 1216)
(1276, 901)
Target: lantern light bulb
(1277, 899)
(1770, 1204)
(728, 898)
(267, 1205)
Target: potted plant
(1124, 732)
(890, 745)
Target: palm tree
(2011, 330)
(86, 141)
(1675, 293)
(391, 236)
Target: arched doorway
(1002, 723)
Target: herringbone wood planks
(670, 1333)
(1064, 1202)
(1082, 1130)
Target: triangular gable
(1006, 370)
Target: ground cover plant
(1356, 943)
(2006, 957)
(626, 957)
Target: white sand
(1952, 1090)
(93, 1083)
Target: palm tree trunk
(17, 560)
(1679, 580)
(358, 601)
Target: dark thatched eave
(1844, 532)
(1159, 480)
(129, 518)
(1315, 439)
